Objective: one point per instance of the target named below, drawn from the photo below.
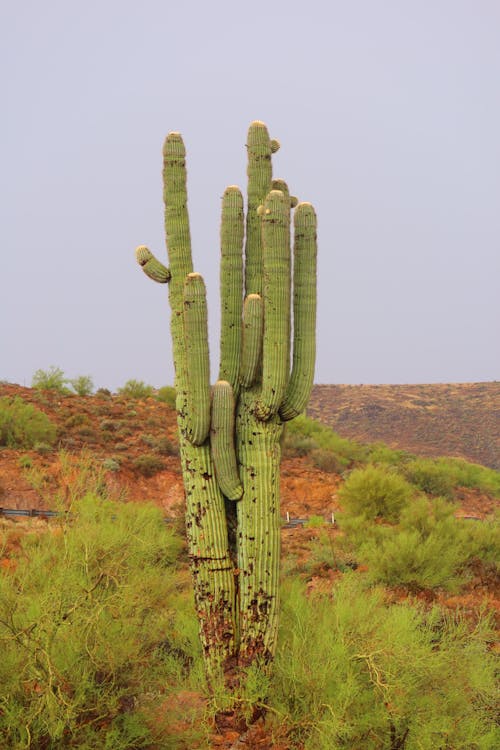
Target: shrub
(296, 445)
(23, 425)
(167, 395)
(103, 393)
(352, 672)
(374, 492)
(111, 464)
(326, 461)
(166, 447)
(148, 465)
(429, 476)
(83, 648)
(83, 385)
(136, 389)
(50, 380)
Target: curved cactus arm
(276, 344)
(259, 171)
(304, 313)
(253, 330)
(151, 266)
(231, 284)
(222, 440)
(279, 184)
(197, 359)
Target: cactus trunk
(230, 440)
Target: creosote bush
(375, 492)
(23, 425)
(167, 395)
(94, 624)
(83, 385)
(354, 672)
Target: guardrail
(288, 523)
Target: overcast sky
(388, 113)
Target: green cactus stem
(151, 266)
(259, 171)
(276, 263)
(231, 284)
(222, 440)
(197, 358)
(253, 330)
(304, 313)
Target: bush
(148, 465)
(375, 492)
(167, 395)
(50, 380)
(83, 648)
(136, 389)
(430, 477)
(83, 385)
(23, 425)
(352, 672)
(296, 445)
(326, 461)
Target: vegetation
(23, 425)
(52, 379)
(101, 650)
(136, 389)
(375, 492)
(83, 385)
(167, 395)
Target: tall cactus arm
(222, 440)
(197, 359)
(276, 344)
(304, 313)
(231, 284)
(151, 266)
(259, 171)
(253, 329)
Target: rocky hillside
(444, 419)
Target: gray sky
(388, 113)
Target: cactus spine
(230, 443)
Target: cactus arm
(206, 528)
(259, 171)
(231, 284)
(253, 329)
(151, 266)
(197, 358)
(276, 344)
(304, 313)
(222, 440)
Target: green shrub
(148, 465)
(347, 451)
(84, 650)
(136, 389)
(83, 385)
(166, 447)
(352, 672)
(52, 379)
(25, 462)
(23, 425)
(375, 492)
(296, 445)
(326, 461)
(103, 393)
(167, 395)
(111, 464)
(430, 476)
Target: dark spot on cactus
(206, 476)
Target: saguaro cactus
(230, 437)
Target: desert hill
(441, 419)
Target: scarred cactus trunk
(230, 442)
